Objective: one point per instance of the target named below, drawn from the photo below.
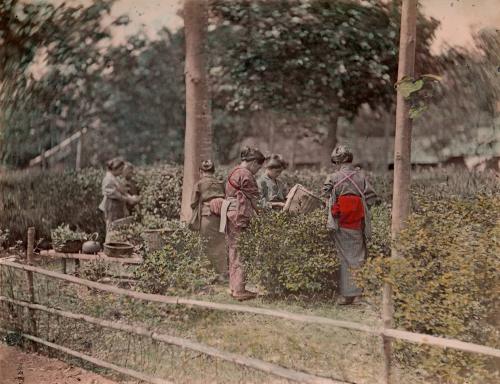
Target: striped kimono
(350, 196)
(242, 194)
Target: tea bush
(48, 199)
(288, 254)
(161, 191)
(446, 283)
(180, 267)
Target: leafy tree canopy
(310, 55)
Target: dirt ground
(17, 367)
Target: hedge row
(48, 199)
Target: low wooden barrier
(260, 365)
(88, 257)
(95, 361)
(237, 359)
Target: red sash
(350, 211)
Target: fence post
(31, 287)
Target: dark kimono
(203, 220)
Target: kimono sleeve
(112, 190)
(371, 196)
(263, 189)
(195, 196)
(327, 187)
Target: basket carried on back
(301, 200)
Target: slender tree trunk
(331, 138)
(402, 158)
(198, 139)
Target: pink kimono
(243, 192)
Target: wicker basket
(70, 246)
(154, 238)
(300, 200)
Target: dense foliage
(288, 254)
(160, 191)
(68, 75)
(446, 284)
(180, 267)
(66, 39)
(46, 200)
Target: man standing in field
(350, 196)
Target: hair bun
(207, 166)
(276, 161)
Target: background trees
(316, 57)
(69, 76)
(306, 62)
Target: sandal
(245, 295)
(346, 300)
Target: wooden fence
(204, 349)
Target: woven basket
(70, 246)
(301, 200)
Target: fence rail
(237, 359)
(93, 360)
(260, 365)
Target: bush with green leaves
(446, 282)
(290, 254)
(48, 199)
(161, 191)
(64, 233)
(180, 267)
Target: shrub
(48, 199)
(446, 284)
(94, 270)
(180, 267)
(288, 254)
(161, 191)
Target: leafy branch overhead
(418, 92)
(308, 55)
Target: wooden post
(402, 161)
(78, 164)
(31, 287)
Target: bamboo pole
(96, 361)
(402, 162)
(260, 365)
(78, 160)
(89, 257)
(31, 288)
(418, 338)
(198, 303)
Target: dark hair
(115, 164)
(207, 166)
(252, 154)
(276, 161)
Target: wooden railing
(205, 349)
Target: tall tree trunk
(198, 136)
(402, 157)
(331, 137)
